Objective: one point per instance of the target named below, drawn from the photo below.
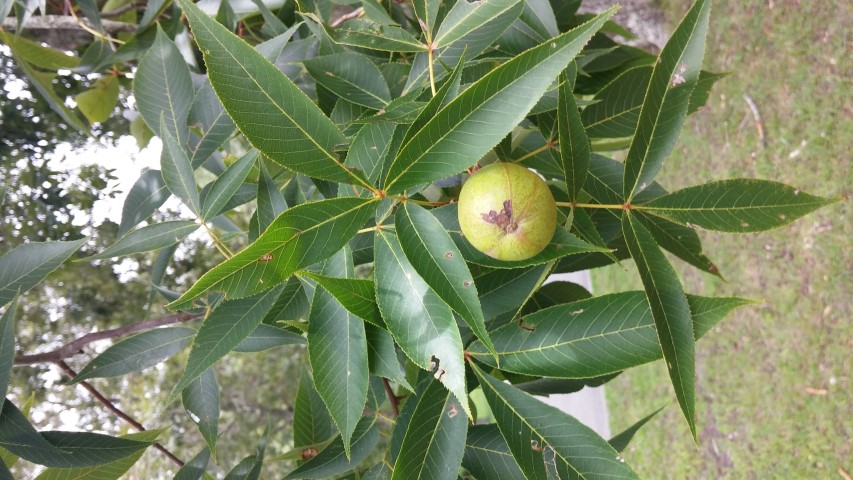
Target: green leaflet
(163, 89)
(106, 471)
(195, 468)
(223, 329)
(61, 449)
(435, 438)
(372, 35)
(337, 350)
(137, 352)
(150, 237)
(670, 311)
(36, 54)
(420, 322)
(487, 454)
(382, 356)
(201, 401)
(301, 236)
(351, 76)
(466, 128)
(546, 442)
(100, 100)
(738, 205)
(25, 266)
(226, 185)
(667, 99)
(358, 295)
(7, 346)
(312, 424)
(621, 440)
(333, 460)
(426, 12)
(574, 144)
(271, 111)
(145, 196)
(431, 251)
(591, 337)
(214, 126)
(177, 170)
(265, 337)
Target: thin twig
(395, 401)
(117, 411)
(347, 16)
(759, 122)
(75, 347)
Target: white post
(588, 405)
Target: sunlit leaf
(43, 83)
(100, 100)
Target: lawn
(774, 381)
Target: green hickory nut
(507, 212)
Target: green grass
(755, 413)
